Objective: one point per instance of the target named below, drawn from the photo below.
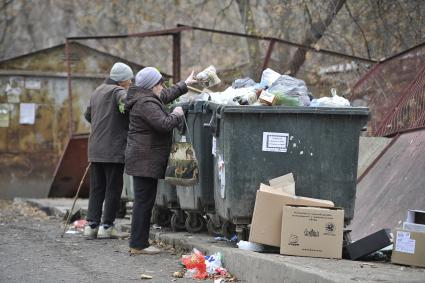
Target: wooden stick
(75, 200)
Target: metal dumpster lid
(363, 111)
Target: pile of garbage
(201, 267)
(274, 89)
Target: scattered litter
(249, 246)
(77, 227)
(213, 264)
(145, 276)
(195, 264)
(203, 267)
(79, 224)
(178, 274)
(234, 239)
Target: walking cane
(75, 200)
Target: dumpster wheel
(161, 217)
(228, 229)
(213, 228)
(194, 223)
(178, 221)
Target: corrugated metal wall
(29, 153)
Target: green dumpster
(253, 144)
(166, 201)
(198, 201)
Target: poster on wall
(27, 114)
(14, 89)
(32, 84)
(4, 115)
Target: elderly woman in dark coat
(148, 146)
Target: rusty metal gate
(394, 91)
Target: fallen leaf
(178, 274)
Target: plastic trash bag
(227, 97)
(213, 262)
(334, 101)
(245, 82)
(268, 77)
(290, 91)
(249, 246)
(195, 264)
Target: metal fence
(394, 91)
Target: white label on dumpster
(404, 244)
(221, 176)
(275, 142)
(214, 146)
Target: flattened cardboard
(409, 248)
(312, 231)
(267, 217)
(286, 183)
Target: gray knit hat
(121, 72)
(148, 77)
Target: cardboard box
(312, 231)
(415, 221)
(267, 217)
(369, 244)
(267, 98)
(416, 216)
(412, 227)
(409, 248)
(286, 183)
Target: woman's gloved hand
(178, 111)
(190, 79)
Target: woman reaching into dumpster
(148, 146)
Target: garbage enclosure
(252, 144)
(198, 201)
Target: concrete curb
(249, 266)
(261, 267)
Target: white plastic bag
(249, 246)
(268, 77)
(334, 101)
(213, 262)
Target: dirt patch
(12, 211)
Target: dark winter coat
(150, 130)
(109, 127)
